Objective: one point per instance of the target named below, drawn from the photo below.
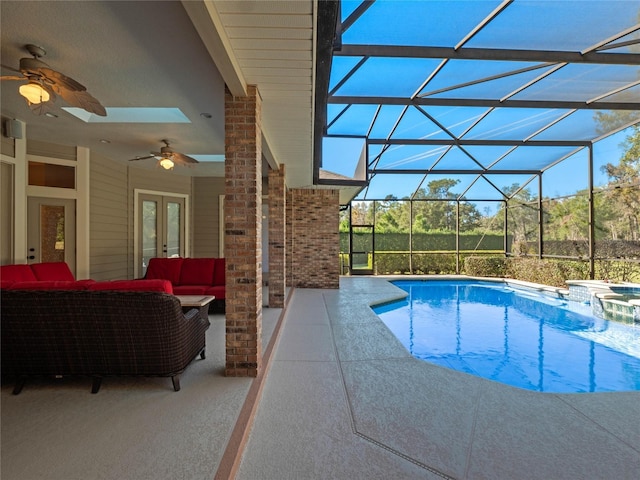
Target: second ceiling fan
(167, 157)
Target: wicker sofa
(97, 333)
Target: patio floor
(341, 399)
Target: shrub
(547, 272)
(485, 266)
(434, 263)
(423, 263)
(617, 271)
(391, 263)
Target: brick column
(315, 261)
(277, 236)
(243, 233)
(289, 239)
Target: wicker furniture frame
(97, 334)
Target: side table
(196, 301)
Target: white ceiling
(159, 54)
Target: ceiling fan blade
(42, 107)
(73, 92)
(81, 99)
(141, 158)
(11, 77)
(57, 78)
(10, 68)
(183, 159)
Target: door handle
(31, 257)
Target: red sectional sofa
(43, 276)
(190, 276)
(178, 276)
(58, 276)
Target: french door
(161, 228)
(51, 230)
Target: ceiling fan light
(34, 93)
(166, 163)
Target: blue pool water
(512, 336)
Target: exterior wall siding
(108, 221)
(206, 216)
(112, 186)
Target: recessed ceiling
(149, 54)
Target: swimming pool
(514, 336)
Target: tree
(625, 180)
(441, 215)
(522, 220)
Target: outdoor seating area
(97, 334)
(340, 399)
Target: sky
(540, 25)
(340, 156)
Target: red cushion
(197, 271)
(49, 285)
(16, 273)
(52, 271)
(189, 289)
(165, 269)
(155, 285)
(217, 292)
(219, 276)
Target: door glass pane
(51, 233)
(173, 229)
(149, 232)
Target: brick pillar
(315, 218)
(277, 236)
(288, 240)
(243, 233)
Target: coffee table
(201, 302)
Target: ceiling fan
(44, 84)
(167, 157)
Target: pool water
(517, 337)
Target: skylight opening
(131, 115)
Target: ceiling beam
(452, 171)
(477, 102)
(549, 56)
(326, 31)
(476, 142)
(208, 24)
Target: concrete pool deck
(344, 399)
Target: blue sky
(534, 25)
(340, 155)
